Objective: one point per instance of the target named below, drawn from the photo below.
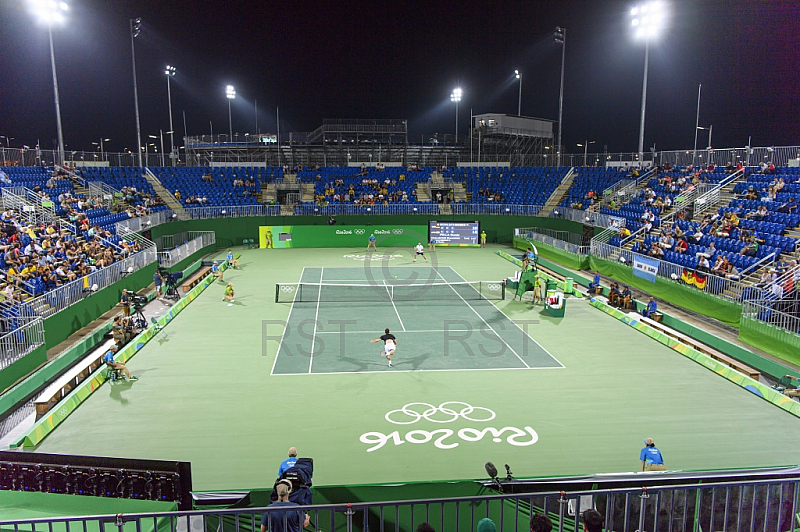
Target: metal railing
(27, 335)
(233, 211)
(588, 216)
(192, 242)
(571, 244)
(29, 205)
(143, 223)
(782, 323)
(722, 287)
(760, 505)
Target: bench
(195, 278)
(703, 348)
(59, 389)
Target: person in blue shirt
(289, 462)
(215, 269)
(528, 258)
(651, 457)
(651, 308)
(233, 262)
(595, 282)
(284, 519)
(371, 243)
(109, 361)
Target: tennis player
(420, 252)
(389, 345)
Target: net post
(277, 291)
(503, 291)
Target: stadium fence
(763, 505)
(179, 247)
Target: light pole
(170, 71)
(696, 125)
(710, 130)
(52, 13)
(455, 96)
(519, 103)
(647, 21)
(585, 147)
(561, 38)
(230, 93)
(136, 28)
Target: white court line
(391, 371)
(316, 316)
(286, 324)
(395, 308)
(410, 332)
(482, 319)
(517, 325)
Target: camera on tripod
(138, 301)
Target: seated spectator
(790, 207)
(595, 284)
(751, 249)
(656, 251)
(708, 253)
(751, 193)
(681, 246)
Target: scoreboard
(454, 233)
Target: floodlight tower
(455, 96)
(647, 21)
(51, 12)
(136, 28)
(519, 104)
(561, 38)
(230, 93)
(170, 71)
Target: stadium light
(455, 96)
(710, 130)
(519, 103)
(136, 29)
(230, 93)
(561, 38)
(51, 12)
(170, 71)
(647, 21)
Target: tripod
(137, 319)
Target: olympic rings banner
(430, 424)
(332, 236)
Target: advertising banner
(333, 236)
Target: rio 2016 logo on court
(373, 257)
(446, 438)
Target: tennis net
(345, 293)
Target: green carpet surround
(207, 393)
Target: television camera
(171, 281)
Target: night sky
(381, 59)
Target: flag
(694, 277)
(645, 268)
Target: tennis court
(442, 323)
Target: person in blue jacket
(595, 282)
(651, 308)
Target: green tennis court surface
(207, 394)
(440, 321)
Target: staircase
(459, 191)
(559, 193)
(267, 193)
(165, 195)
(422, 192)
(306, 192)
(290, 179)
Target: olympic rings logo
(359, 231)
(397, 231)
(494, 287)
(412, 414)
(287, 288)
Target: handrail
(72, 175)
(755, 266)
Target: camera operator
(125, 301)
